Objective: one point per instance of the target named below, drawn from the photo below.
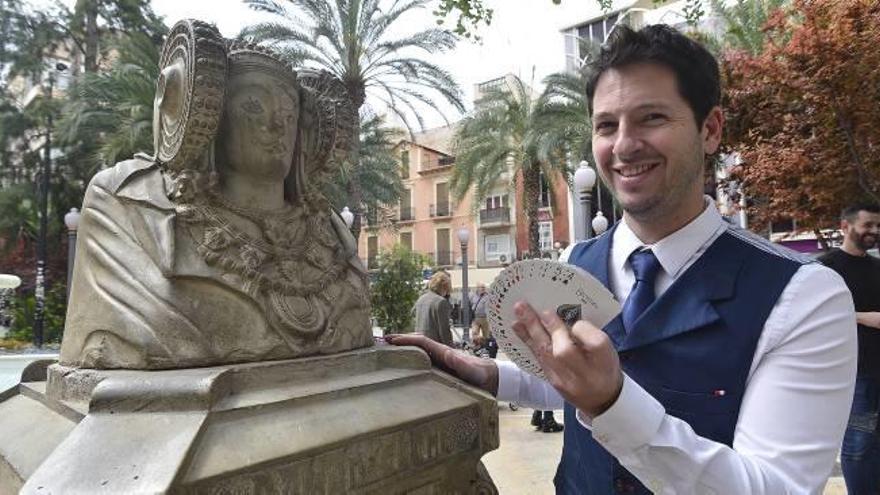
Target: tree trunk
(91, 57)
(531, 200)
(354, 193)
(357, 93)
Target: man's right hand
(482, 373)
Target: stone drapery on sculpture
(220, 247)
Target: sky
(524, 38)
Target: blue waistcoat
(691, 350)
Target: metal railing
(435, 163)
(406, 214)
(441, 210)
(491, 215)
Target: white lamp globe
(600, 223)
(71, 219)
(464, 235)
(584, 177)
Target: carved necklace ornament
(297, 258)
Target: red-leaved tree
(804, 114)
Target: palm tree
(109, 115)
(744, 22)
(376, 168)
(351, 39)
(565, 126)
(504, 134)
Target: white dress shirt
(797, 398)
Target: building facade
(428, 218)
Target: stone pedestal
(378, 420)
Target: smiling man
(731, 367)
(860, 456)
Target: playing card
(565, 289)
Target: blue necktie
(645, 268)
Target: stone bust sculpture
(220, 248)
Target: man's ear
(713, 126)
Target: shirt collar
(674, 250)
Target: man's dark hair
(851, 212)
(695, 69)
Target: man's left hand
(580, 363)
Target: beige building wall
(428, 218)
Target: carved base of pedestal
(378, 420)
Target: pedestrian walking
(544, 421)
(480, 325)
(860, 455)
(432, 310)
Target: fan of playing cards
(546, 285)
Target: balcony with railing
(406, 214)
(432, 163)
(495, 216)
(441, 210)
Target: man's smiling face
(647, 144)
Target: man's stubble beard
(664, 203)
(863, 244)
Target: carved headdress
(196, 64)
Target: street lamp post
(584, 180)
(71, 220)
(464, 235)
(46, 169)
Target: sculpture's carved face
(259, 125)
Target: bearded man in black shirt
(860, 456)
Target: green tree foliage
(395, 288)
(352, 39)
(563, 113)
(375, 169)
(471, 13)
(34, 41)
(94, 25)
(29, 36)
(744, 22)
(504, 134)
(22, 307)
(109, 114)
